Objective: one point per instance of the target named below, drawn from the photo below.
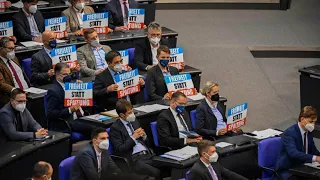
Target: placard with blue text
(78, 93)
(57, 25)
(237, 116)
(6, 29)
(125, 59)
(136, 18)
(128, 83)
(98, 21)
(66, 54)
(176, 58)
(182, 83)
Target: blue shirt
(138, 147)
(220, 123)
(32, 23)
(166, 73)
(99, 54)
(48, 51)
(113, 74)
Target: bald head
(48, 36)
(42, 171)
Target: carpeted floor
(216, 42)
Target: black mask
(215, 97)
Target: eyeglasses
(155, 35)
(22, 101)
(10, 48)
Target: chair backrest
(131, 55)
(26, 65)
(193, 118)
(187, 175)
(268, 152)
(154, 132)
(110, 149)
(64, 168)
(145, 90)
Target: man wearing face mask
(91, 56)
(145, 54)
(105, 89)
(74, 16)
(41, 62)
(55, 102)
(11, 74)
(130, 141)
(16, 121)
(207, 167)
(297, 145)
(28, 23)
(173, 120)
(42, 171)
(210, 115)
(157, 88)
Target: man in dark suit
(297, 145)
(173, 120)
(11, 74)
(145, 52)
(55, 102)
(118, 11)
(130, 141)
(28, 23)
(156, 86)
(16, 121)
(210, 116)
(105, 89)
(41, 171)
(41, 62)
(207, 167)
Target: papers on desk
(111, 113)
(223, 144)
(196, 97)
(59, 41)
(31, 43)
(40, 3)
(313, 165)
(151, 108)
(35, 90)
(265, 134)
(18, 4)
(99, 117)
(181, 154)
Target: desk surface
(306, 172)
(15, 149)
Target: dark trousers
(144, 164)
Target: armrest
(273, 171)
(122, 162)
(62, 121)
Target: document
(265, 133)
(223, 144)
(42, 3)
(31, 43)
(181, 154)
(35, 90)
(190, 134)
(111, 113)
(18, 4)
(151, 108)
(98, 117)
(313, 165)
(196, 97)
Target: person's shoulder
(37, 54)
(17, 15)
(66, 11)
(106, 47)
(82, 48)
(165, 113)
(291, 131)
(115, 125)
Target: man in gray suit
(16, 121)
(91, 56)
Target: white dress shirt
(154, 54)
(207, 166)
(125, 21)
(180, 126)
(98, 160)
(302, 131)
(33, 24)
(79, 16)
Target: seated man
(118, 11)
(91, 56)
(11, 74)
(207, 167)
(42, 171)
(16, 121)
(210, 116)
(297, 145)
(105, 90)
(173, 120)
(28, 23)
(157, 88)
(41, 62)
(145, 54)
(55, 102)
(130, 141)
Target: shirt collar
(96, 48)
(77, 11)
(61, 84)
(47, 50)
(97, 152)
(122, 1)
(207, 165)
(154, 47)
(214, 105)
(111, 71)
(173, 112)
(28, 15)
(123, 121)
(5, 60)
(302, 131)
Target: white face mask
(79, 6)
(104, 145)
(95, 43)
(310, 127)
(118, 68)
(20, 107)
(11, 55)
(154, 40)
(33, 9)
(131, 118)
(214, 157)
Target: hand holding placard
(112, 87)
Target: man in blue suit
(297, 145)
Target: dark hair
(204, 145)
(4, 41)
(16, 92)
(95, 132)
(308, 112)
(40, 169)
(111, 55)
(59, 66)
(177, 94)
(88, 31)
(123, 106)
(163, 48)
(30, 1)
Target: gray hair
(4, 41)
(207, 87)
(154, 25)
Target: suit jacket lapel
(173, 121)
(47, 58)
(36, 20)
(204, 167)
(299, 137)
(159, 73)
(74, 16)
(25, 20)
(7, 71)
(209, 108)
(91, 55)
(119, 11)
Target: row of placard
(98, 21)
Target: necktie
(19, 122)
(15, 75)
(130, 127)
(126, 13)
(78, 113)
(214, 177)
(182, 122)
(305, 143)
